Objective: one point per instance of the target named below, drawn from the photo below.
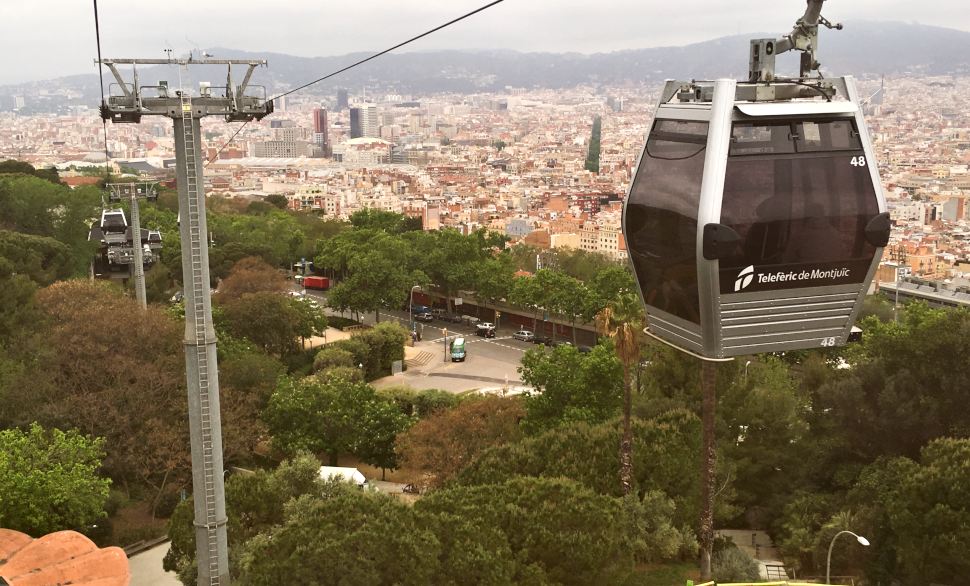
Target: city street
(490, 363)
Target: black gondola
(756, 219)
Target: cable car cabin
(754, 226)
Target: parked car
(470, 319)
(524, 335)
(561, 343)
(424, 316)
(451, 318)
(541, 339)
(584, 349)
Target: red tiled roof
(64, 557)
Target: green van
(458, 350)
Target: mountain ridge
(864, 48)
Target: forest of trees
(516, 490)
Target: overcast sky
(50, 38)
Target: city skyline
(43, 47)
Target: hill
(865, 48)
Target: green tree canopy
(560, 531)
(272, 321)
(41, 258)
(334, 416)
(347, 537)
(570, 386)
(668, 448)
(49, 480)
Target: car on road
(485, 329)
(450, 317)
(458, 350)
(542, 339)
(524, 335)
(425, 316)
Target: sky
(42, 39)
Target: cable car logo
(744, 278)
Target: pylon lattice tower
(127, 102)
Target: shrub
(333, 356)
(733, 565)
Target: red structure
(64, 557)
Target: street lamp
(411, 307)
(828, 562)
(746, 364)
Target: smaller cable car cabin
(755, 225)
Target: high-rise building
(356, 129)
(342, 99)
(364, 121)
(321, 132)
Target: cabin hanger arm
(803, 37)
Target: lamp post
(828, 562)
(411, 306)
(746, 364)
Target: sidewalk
(759, 546)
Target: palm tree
(622, 320)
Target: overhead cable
(355, 64)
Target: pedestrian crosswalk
(419, 359)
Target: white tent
(346, 474)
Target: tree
(254, 504)
(346, 537)
(493, 281)
(930, 513)
(445, 442)
(40, 258)
(331, 356)
(333, 416)
(18, 310)
(570, 299)
(381, 220)
(382, 424)
(608, 285)
(11, 166)
(277, 200)
(251, 275)
(96, 361)
(570, 386)
(379, 277)
(903, 390)
(622, 321)
(270, 320)
(667, 445)
(419, 403)
(49, 480)
(560, 531)
(28, 205)
(526, 293)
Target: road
(491, 362)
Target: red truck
(319, 283)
